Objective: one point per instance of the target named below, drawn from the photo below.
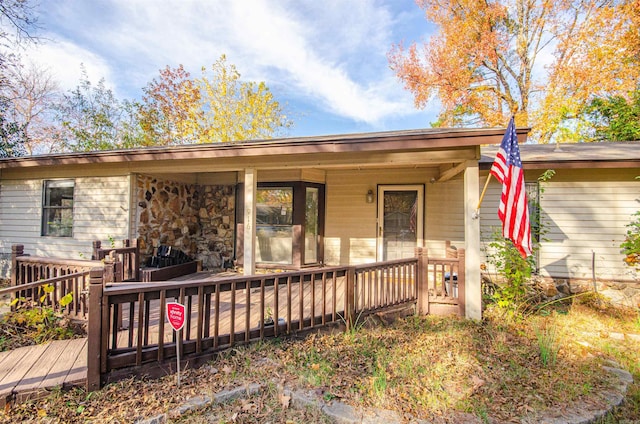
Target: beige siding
(445, 215)
(350, 233)
(583, 216)
(100, 212)
(586, 217)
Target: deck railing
(385, 284)
(126, 258)
(126, 320)
(46, 281)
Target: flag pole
(484, 190)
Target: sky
(325, 61)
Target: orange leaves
(541, 60)
(216, 107)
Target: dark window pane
(57, 209)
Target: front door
(400, 220)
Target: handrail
(62, 262)
(43, 282)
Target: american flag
(513, 210)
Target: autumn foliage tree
(542, 61)
(216, 107)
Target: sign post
(175, 315)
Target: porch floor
(31, 372)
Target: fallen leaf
(284, 400)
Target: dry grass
(427, 367)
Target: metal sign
(175, 315)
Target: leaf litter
(430, 368)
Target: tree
(16, 25)
(170, 110)
(237, 110)
(485, 63)
(614, 118)
(11, 134)
(33, 93)
(213, 108)
(92, 118)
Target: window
(274, 225)
(57, 208)
(289, 224)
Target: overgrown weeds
(423, 367)
(27, 325)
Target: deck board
(41, 367)
(57, 375)
(78, 371)
(17, 367)
(31, 371)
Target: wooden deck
(31, 372)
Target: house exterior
(584, 208)
(283, 203)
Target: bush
(35, 325)
(631, 245)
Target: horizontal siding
(351, 223)
(101, 211)
(585, 221)
(586, 218)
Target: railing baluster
(324, 298)
(163, 306)
(232, 318)
(301, 303)
(312, 283)
(262, 310)
(289, 306)
(207, 315)
(140, 328)
(188, 310)
(247, 314)
(216, 319)
(201, 315)
(276, 306)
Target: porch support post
(250, 190)
(472, 290)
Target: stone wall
(197, 219)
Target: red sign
(175, 315)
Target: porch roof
(572, 156)
(276, 152)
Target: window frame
(298, 223)
(45, 226)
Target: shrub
(631, 244)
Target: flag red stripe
(514, 209)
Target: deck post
(16, 251)
(349, 298)
(136, 259)
(422, 308)
(94, 330)
(96, 248)
(461, 283)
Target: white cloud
(64, 59)
(331, 54)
